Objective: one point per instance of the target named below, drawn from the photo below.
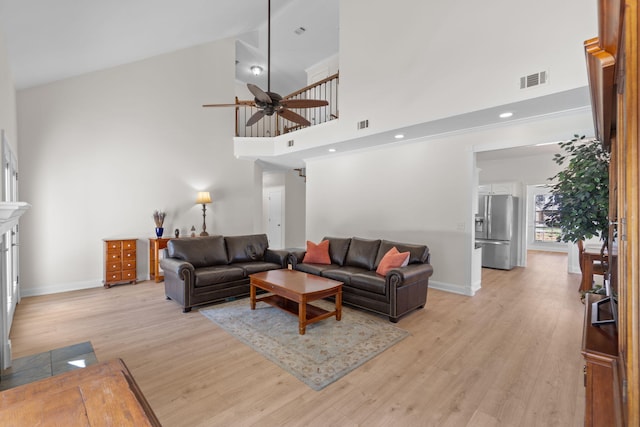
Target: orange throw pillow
(317, 254)
(392, 259)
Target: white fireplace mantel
(10, 212)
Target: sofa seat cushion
(199, 251)
(362, 253)
(207, 276)
(370, 282)
(316, 269)
(342, 274)
(256, 267)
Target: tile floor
(38, 366)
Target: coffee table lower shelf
(313, 313)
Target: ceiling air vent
(535, 79)
(363, 124)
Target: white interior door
(275, 228)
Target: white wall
(416, 61)
(7, 99)
(529, 170)
(102, 151)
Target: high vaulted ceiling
(49, 40)
(52, 40)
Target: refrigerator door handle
(488, 215)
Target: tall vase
(159, 231)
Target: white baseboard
(61, 287)
(456, 289)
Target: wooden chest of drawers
(119, 261)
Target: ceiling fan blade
(303, 103)
(293, 117)
(254, 119)
(259, 93)
(239, 103)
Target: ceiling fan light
(256, 70)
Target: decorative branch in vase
(158, 218)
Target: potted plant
(579, 202)
(158, 218)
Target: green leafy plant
(579, 204)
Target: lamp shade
(203, 197)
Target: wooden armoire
(613, 63)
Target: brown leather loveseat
(203, 270)
(354, 262)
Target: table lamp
(203, 198)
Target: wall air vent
(535, 79)
(363, 124)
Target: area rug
(329, 349)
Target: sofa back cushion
(419, 254)
(199, 251)
(362, 253)
(246, 248)
(338, 247)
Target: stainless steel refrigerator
(496, 230)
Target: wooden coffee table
(292, 290)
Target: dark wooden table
(590, 254)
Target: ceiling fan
(269, 102)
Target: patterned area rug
(329, 349)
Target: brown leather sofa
(354, 262)
(203, 270)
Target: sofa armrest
(410, 274)
(296, 256)
(280, 257)
(177, 266)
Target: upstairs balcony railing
(275, 125)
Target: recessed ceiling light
(332, 150)
(506, 115)
(256, 70)
(399, 136)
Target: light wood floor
(509, 356)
